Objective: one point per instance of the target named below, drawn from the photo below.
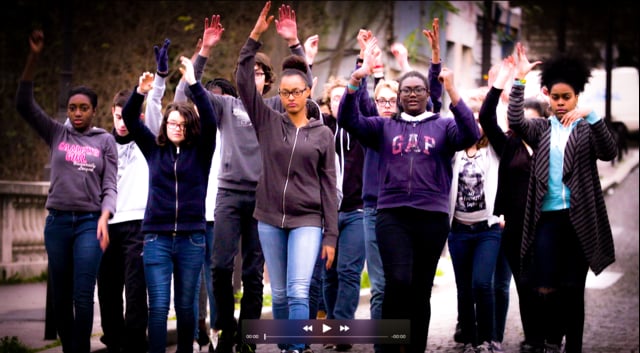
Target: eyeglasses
(175, 126)
(258, 74)
(296, 92)
(418, 91)
(383, 102)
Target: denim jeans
(181, 256)
(122, 269)
(235, 225)
(474, 253)
(341, 283)
(291, 256)
(206, 275)
(74, 258)
(374, 266)
(410, 242)
(316, 301)
(374, 262)
(501, 284)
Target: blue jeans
(181, 256)
(474, 252)
(374, 266)
(374, 262)
(74, 258)
(291, 256)
(501, 284)
(342, 281)
(206, 275)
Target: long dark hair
(191, 121)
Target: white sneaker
(468, 348)
(213, 340)
(485, 347)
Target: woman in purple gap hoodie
(415, 174)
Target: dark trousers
(510, 246)
(235, 225)
(557, 263)
(411, 242)
(122, 269)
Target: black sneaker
(203, 338)
(245, 348)
(343, 347)
(457, 336)
(225, 341)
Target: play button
(325, 328)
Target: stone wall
(22, 218)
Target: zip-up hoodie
(84, 165)
(415, 156)
(297, 186)
(178, 176)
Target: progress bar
(326, 331)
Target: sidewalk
(22, 306)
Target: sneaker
(225, 341)
(552, 348)
(468, 348)
(245, 348)
(213, 340)
(203, 339)
(457, 336)
(485, 347)
(343, 347)
(529, 348)
(496, 347)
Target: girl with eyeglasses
(296, 199)
(415, 174)
(174, 223)
(81, 200)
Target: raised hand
(145, 83)
(446, 78)
(212, 31)
(523, 66)
(263, 22)
(187, 70)
(286, 25)
(363, 37)
(505, 72)
(162, 57)
(372, 56)
(433, 35)
(311, 48)
(401, 54)
(36, 41)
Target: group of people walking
(174, 194)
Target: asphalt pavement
(611, 295)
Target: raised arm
(144, 138)
(153, 109)
(26, 105)
(435, 86)
(488, 116)
(466, 132)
